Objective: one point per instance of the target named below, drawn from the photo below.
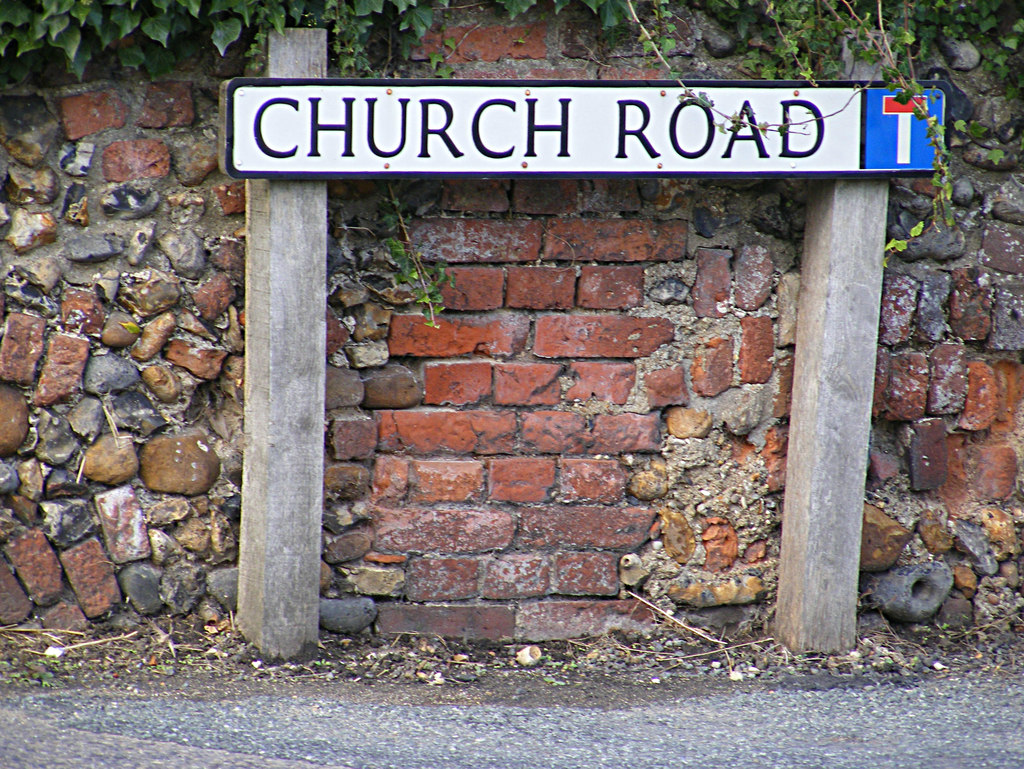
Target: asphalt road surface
(973, 723)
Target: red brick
(615, 240)
(757, 346)
(445, 480)
(214, 296)
(557, 620)
(928, 456)
(610, 287)
(168, 104)
(499, 335)
(541, 288)
(426, 432)
(65, 616)
(336, 333)
(954, 492)
(474, 288)
(62, 370)
(527, 384)
(485, 43)
(982, 397)
(666, 387)
(883, 363)
(442, 579)
(621, 528)
(442, 531)
(544, 196)
(21, 348)
(353, 437)
(485, 196)
(598, 481)
(1010, 376)
(783, 385)
(136, 159)
(204, 362)
(711, 370)
(721, 545)
(91, 575)
(585, 574)
(37, 566)
(753, 277)
(995, 471)
(606, 336)
(390, 478)
(485, 622)
(899, 303)
(123, 524)
(456, 384)
(711, 287)
(906, 393)
(623, 433)
(947, 386)
(516, 575)
(82, 311)
(475, 241)
(14, 604)
(520, 479)
(89, 113)
(774, 453)
(1002, 248)
(611, 382)
(882, 466)
(555, 432)
(231, 197)
(970, 304)
(609, 196)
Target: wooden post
(282, 483)
(833, 383)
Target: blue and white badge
(895, 138)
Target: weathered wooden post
(282, 484)
(833, 382)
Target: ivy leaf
(995, 155)
(69, 41)
(366, 7)
(917, 229)
(225, 32)
(193, 7)
(418, 20)
(157, 28)
(14, 13)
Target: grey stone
(940, 245)
(87, 418)
(66, 521)
(670, 291)
(962, 55)
(109, 374)
(62, 483)
(719, 42)
(9, 481)
(31, 297)
(134, 411)
(931, 301)
(1008, 318)
(342, 387)
(139, 243)
(27, 128)
(963, 191)
(955, 613)
(185, 250)
(141, 583)
(89, 248)
(347, 615)
(1008, 203)
(127, 202)
(970, 538)
(57, 441)
(222, 584)
(391, 387)
(743, 410)
(911, 593)
(958, 103)
(704, 222)
(181, 586)
(981, 157)
(76, 159)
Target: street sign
(297, 128)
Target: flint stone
(89, 248)
(181, 586)
(31, 475)
(179, 464)
(1008, 318)
(31, 185)
(106, 374)
(1008, 203)
(963, 192)
(13, 420)
(141, 583)
(57, 442)
(75, 208)
(27, 128)
(135, 412)
(956, 612)
(139, 243)
(149, 292)
(719, 42)
(31, 230)
(185, 250)
(87, 418)
(958, 104)
(9, 481)
(193, 160)
(670, 291)
(76, 159)
(154, 336)
(223, 586)
(367, 354)
(61, 483)
(962, 55)
(66, 521)
(128, 202)
(347, 615)
(912, 593)
(163, 546)
(979, 157)
(30, 297)
(44, 272)
(971, 539)
(882, 540)
(342, 387)
(940, 245)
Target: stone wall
(601, 411)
